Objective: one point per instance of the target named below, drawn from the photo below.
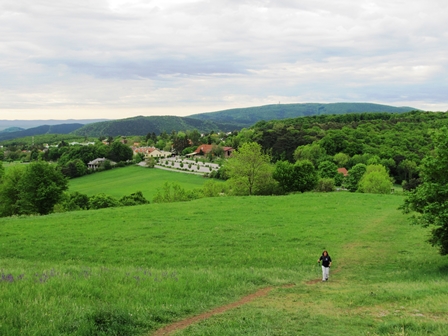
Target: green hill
(250, 115)
(12, 129)
(143, 125)
(44, 129)
(129, 271)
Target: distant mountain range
(44, 129)
(25, 124)
(226, 120)
(143, 125)
(250, 115)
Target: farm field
(127, 180)
(132, 270)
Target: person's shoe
(326, 279)
(323, 280)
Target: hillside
(129, 271)
(25, 124)
(44, 129)
(143, 125)
(12, 129)
(250, 115)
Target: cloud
(195, 55)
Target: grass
(125, 271)
(127, 180)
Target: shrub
(376, 180)
(101, 201)
(136, 198)
(325, 185)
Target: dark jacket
(325, 260)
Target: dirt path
(189, 321)
(185, 323)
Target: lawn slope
(126, 180)
(132, 270)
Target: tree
(10, 192)
(312, 152)
(354, 176)
(341, 159)
(41, 187)
(327, 169)
(120, 152)
(2, 170)
(249, 169)
(430, 198)
(376, 180)
(300, 176)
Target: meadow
(132, 270)
(127, 180)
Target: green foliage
(375, 180)
(300, 176)
(139, 157)
(173, 192)
(10, 191)
(101, 200)
(312, 152)
(325, 184)
(214, 189)
(430, 198)
(327, 169)
(74, 201)
(341, 159)
(120, 152)
(41, 186)
(339, 179)
(150, 162)
(136, 198)
(2, 170)
(74, 168)
(249, 169)
(354, 176)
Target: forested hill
(250, 115)
(45, 129)
(391, 138)
(143, 125)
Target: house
(205, 149)
(158, 153)
(343, 171)
(95, 164)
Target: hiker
(326, 263)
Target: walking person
(326, 263)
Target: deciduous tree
(430, 199)
(249, 169)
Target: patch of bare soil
(185, 323)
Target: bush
(325, 185)
(101, 201)
(136, 198)
(376, 180)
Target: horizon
(190, 115)
(120, 58)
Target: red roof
(343, 171)
(207, 148)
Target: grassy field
(129, 271)
(127, 180)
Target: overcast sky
(115, 59)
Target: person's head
(325, 253)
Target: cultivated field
(127, 180)
(130, 271)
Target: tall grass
(125, 271)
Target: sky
(81, 59)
